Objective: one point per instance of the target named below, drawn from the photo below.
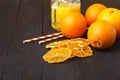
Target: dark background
(23, 19)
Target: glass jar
(60, 8)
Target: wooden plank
(23, 61)
(8, 13)
(69, 70)
(104, 65)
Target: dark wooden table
(23, 19)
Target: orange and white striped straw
(50, 39)
(41, 37)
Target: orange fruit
(93, 11)
(111, 15)
(101, 34)
(73, 25)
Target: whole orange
(93, 11)
(73, 25)
(101, 34)
(111, 15)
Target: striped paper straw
(50, 39)
(41, 37)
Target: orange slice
(56, 55)
(81, 41)
(84, 52)
(58, 44)
(74, 47)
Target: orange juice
(60, 11)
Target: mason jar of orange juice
(60, 8)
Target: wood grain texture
(8, 14)
(24, 19)
(23, 60)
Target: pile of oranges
(99, 22)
